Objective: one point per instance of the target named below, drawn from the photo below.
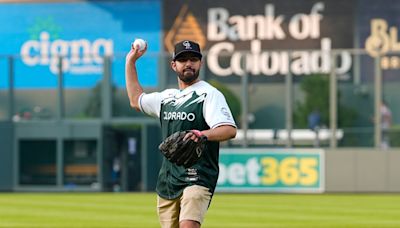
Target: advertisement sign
(378, 27)
(82, 33)
(265, 39)
(271, 170)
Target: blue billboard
(82, 33)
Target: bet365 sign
(265, 170)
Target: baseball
(141, 43)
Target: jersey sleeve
(216, 111)
(150, 104)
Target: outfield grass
(109, 210)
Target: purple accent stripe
(224, 123)
(140, 103)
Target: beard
(188, 75)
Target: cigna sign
(79, 56)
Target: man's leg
(194, 204)
(168, 212)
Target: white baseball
(141, 43)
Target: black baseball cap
(186, 46)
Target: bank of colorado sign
(268, 39)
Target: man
(184, 194)
(386, 122)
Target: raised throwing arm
(133, 87)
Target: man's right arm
(133, 87)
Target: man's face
(187, 66)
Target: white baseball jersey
(200, 107)
(215, 109)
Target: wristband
(199, 134)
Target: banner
(37, 34)
(271, 170)
(378, 29)
(264, 39)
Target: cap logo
(187, 44)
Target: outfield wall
(362, 170)
(308, 170)
(6, 157)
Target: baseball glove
(183, 152)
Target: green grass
(227, 210)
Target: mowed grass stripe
(305, 210)
(227, 210)
(86, 203)
(84, 206)
(77, 210)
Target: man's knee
(189, 224)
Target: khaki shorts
(191, 205)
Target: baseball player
(184, 194)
